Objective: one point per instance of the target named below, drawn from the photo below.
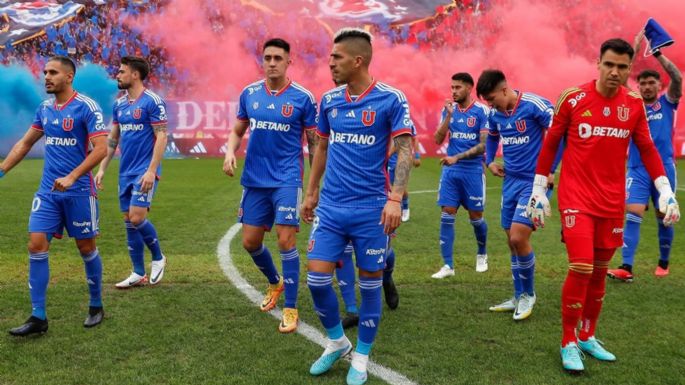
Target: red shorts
(599, 233)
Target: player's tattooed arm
(675, 88)
(312, 142)
(402, 145)
(472, 152)
(159, 128)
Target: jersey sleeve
(667, 101)
(560, 120)
(38, 119)
(492, 126)
(242, 107)
(545, 117)
(157, 112)
(400, 118)
(310, 117)
(483, 120)
(115, 118)
(323, 129)
(643, 140)
(95, 122)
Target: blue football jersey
(67, 130)
(274, 156)
(465, 127)
(661, 119)
(521, 133)
(136, 120)
(359, 133)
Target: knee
(136, 219)
(449, 210)
(286, 242)
(36, 246)
(251, 245)
(86, 248)
(518, 243)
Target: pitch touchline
(434, 191)
(231, 272)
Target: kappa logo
(137, 113)
(471, 122)
(350, 114)
(587, 114)
(368, 117)
(287, 110)
(623, 113)
(271, 107)
(67, 124)
(521, 125)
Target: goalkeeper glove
(667, 203)
(538, 205)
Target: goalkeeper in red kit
(597, 120)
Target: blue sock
(405, 203)
(665, 240)
(631, 237)
(290, 260)
(518, 286)
(369, 312)
(262, 258)
(39, 276)
(93, 265)
(480, 229)
(447, 238)
(136, 248)
(325, 302)
(346, 281)
(389, 264)
(147, 230)
(526, 265)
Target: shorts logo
(471, 122)
(623, 113)
(570, 221)
(137, 113)
(607, 111)
(287, 110)
(521, 125)
(617, 230)
(310, 246)
(67, 124)
(368, 117)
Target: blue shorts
(458, 188)
(515, 196)
(334, 227)
(52, 212)
(262, 206)
(640, 187)
(130, 194)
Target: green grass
(195, 328)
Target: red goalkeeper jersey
(597, 131)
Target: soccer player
(598, 120)
(358, 120)
(520, 119)
(278, 111)
(140, 123)
(75, 133)
(462, 182)
(661, 111)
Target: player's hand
(667, 203)
(62, 184)
(417, 162)
(311, 200)
(448, 160)
(230, 164)
(98, 179)
(538, 205)
(550, 182)
(391, 216)
(638, 39)
(449, 106)
(496, 169)
(147, 181)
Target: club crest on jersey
(137, 113)
(623, 113)
(521, 125)
(368, 117)
(287, 110)
(472, 122)
(607, 111)
(67, 124)
(656, 106)
(570, 221)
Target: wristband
(394, 200)
(657, 53)
(2, 173)
(417, 155)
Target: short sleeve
(242, 107)
(400, 118)
(157, 111)
(323, 129)
(38, 119)
(95, 121)
(311, 114)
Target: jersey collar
(366, 92)
(132, 102)
(467, 108)
(518, 101)
(282, 90)
(60, 108)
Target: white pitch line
(434, 191)
(223, 251)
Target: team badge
(520, 125)
(623, 113)
(607, 111)
(656, 106)
(137, 113)
(287, 110)
(255, 105)
(368, 117)
(570, 221)
(310, 246)
(67, 124)
(471, 122)
(334, 113)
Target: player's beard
(123, 86)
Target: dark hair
(66, 61)
(648, 74)
(463, 77)
(137, 64)
(488, 81)
(278, 43)
(617, 45)
(351, 33)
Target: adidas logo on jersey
(587, 113)
(271, 107)
(350, 114)
(508, 125)
(369, 323)
(460, 121)
(55, 122)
